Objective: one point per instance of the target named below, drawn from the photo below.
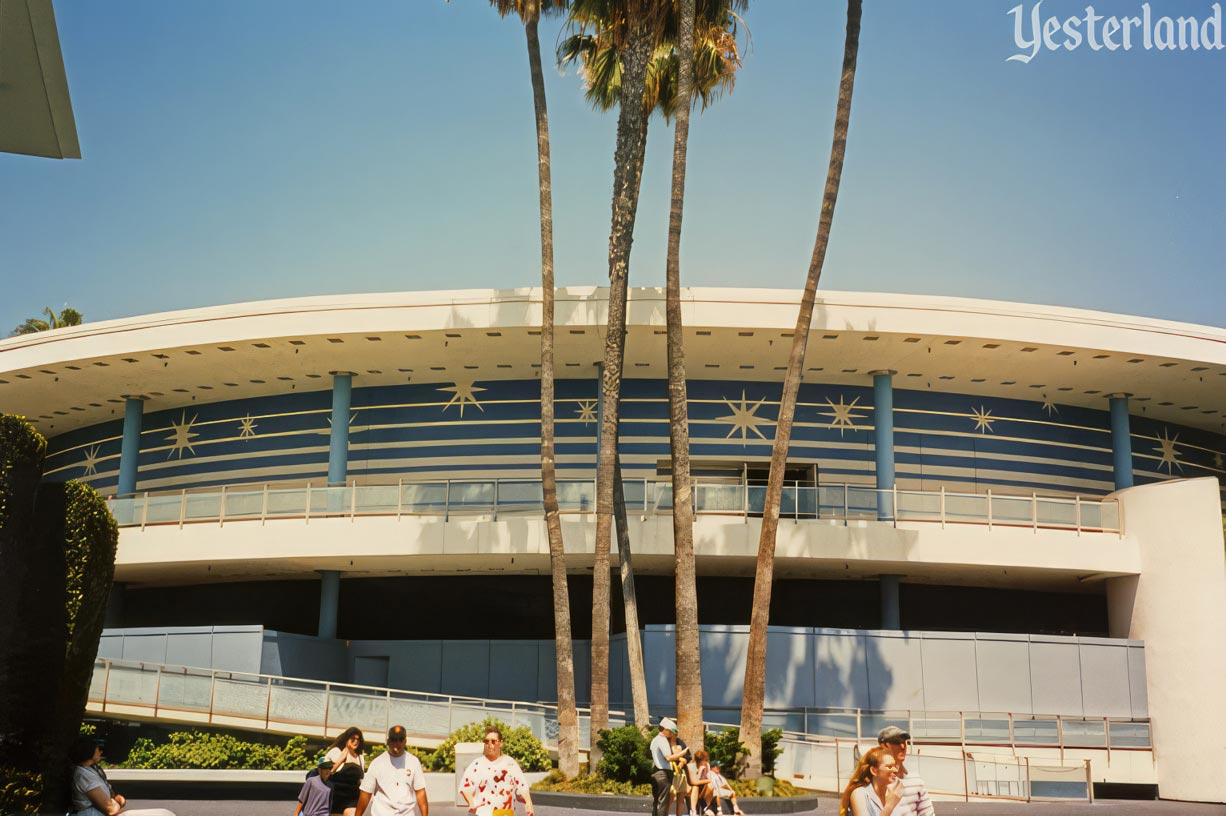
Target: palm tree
(631, 27)
(67, 317)
(755, 661)
(529, 11)
(689, 654)
(627, 56)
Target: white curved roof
(77, 376)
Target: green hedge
(519, 743)
(218, 751)
(627, 753)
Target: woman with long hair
(875, 788)
(348, 767)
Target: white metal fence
(492, 498)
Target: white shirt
(494, 783)
(393, 783)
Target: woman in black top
(348, 768)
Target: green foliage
(517, 742)
(771, 750)
(20, 791)
(199, 750)
(626, 757)
(91, 536)
(68, 317)
(557, 781)
(728, 752)
(21, 448)
(748, 788)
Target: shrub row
(627, 753)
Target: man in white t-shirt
(915, 798)
(394, 784)
(493, 781)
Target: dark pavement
(827, 807)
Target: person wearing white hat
(662, 756)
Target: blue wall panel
(426, 430)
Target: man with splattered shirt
(493, 781)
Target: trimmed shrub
(557, 781)
(519, 743)
(223, 751)
(728, 752)
(20, 791)
(626, 755)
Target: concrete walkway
(827, 807)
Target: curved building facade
(956, 467)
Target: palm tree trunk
(627, 173)
(568, 716)
(755, 661)
(634, 637)
(689, 658)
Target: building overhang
(79, 376)
(35, 109)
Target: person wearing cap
(315, 798)
(662, 756)
(915, 798)
(493, 781)
(394, 784)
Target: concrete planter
(555, 803)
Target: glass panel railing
(832, 501)
(1036, 731)
(1099, 515)
(914, 505)
(717, 498)
(372, 500)
(1014, 510)
(987, 729)
(425, 498)
(163, 509)
(245, 504)
(1128, 735)
(127, 511)
(1111, 516)
(1056, 512)
(577, 496)
(1084, 733)
(431, 719)
(202, 506)
(863, 502)
(871, 722)
(935, 726)
(287, 502)
(520, 497)
(659, 496)
(306, 705)
(966, 507)
(239, 696)
(185, 691)
(134, 685)
(471, 497)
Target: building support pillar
(883, 439)
(338, 442)
(129, 451)
(329, 602)
(891, 617)
(1121, 441)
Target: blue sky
(239, 151)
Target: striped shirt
(915, 798)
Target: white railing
(492, 498)
(826, 765)
(310, 707)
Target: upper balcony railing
(494, 498)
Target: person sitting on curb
(91, 792)
(721, 790)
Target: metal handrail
(104, 695)
(840, 502)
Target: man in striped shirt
(915, 798)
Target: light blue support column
(890, 616)
(338, 446)
(883, 438)
(329, 602)
(129, 452)
(1121, 441)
